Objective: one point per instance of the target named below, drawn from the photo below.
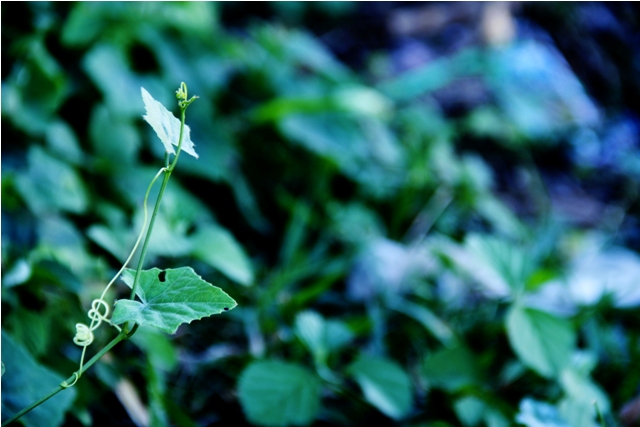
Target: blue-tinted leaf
(18, 274)
(470, 410)
(112, 134)
(384, 384)
(578, 412)
(278, 394)
(321, 336)
(539, 414)
(108, 67)
(25, 381)
(542, 341)
(614, 271)
(218, 248)
(63, 142)
(51, 185)
(582, 389)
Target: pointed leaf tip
(170, 298)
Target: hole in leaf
(226, 309)
(162, 276)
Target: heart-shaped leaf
(170, 298)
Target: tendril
(99, 308)
(65, 384)
(84, 333)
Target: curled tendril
(76, 377)
(182, 96)
(94, 314)
(99, 308)
(84, 333)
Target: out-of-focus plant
(410, 265)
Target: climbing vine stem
(99, 308)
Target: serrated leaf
(542, 341)
(25, 381)
(384, 384)
(166, 125)
(275, 393)
(170, 298)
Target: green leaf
(582, 389)
(542, 341)
(295, 234)
(111, 133)
(500, 267)
(25, 381)
(276, 393)
(113, 241)
(63, 142)
(451, 369)
(364, 149)
(31, 329)
(158, 348)
(510, 263)
(166, 125)
(108, 66)
(470, 410)
(384, 384)
(50, 184)
(539, 414)
(433, 76)
(19, 273)
(321, 336)
(35, 89)
(427, 318)
(218, 248)
(494, 418)
(577, 412)
(170, 298)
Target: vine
(192, 288)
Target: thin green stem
(167, 175)
(183, 113)
(125, 332)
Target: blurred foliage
(425, 221)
